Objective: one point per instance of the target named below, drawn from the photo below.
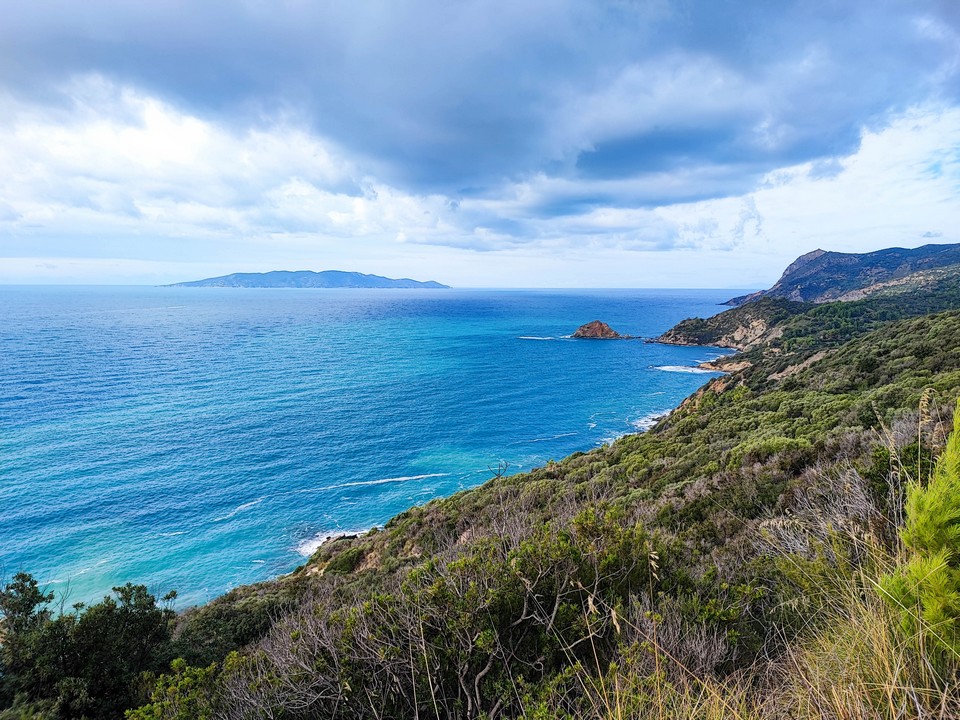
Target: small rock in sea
(598, 330)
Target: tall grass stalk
(861, 664)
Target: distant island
(309, 279)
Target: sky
(493, 143)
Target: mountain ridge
(824, 276)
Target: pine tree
(926, 587)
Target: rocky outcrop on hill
(835, 288)
(742, 328)
(597, 330)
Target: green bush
(185, 694)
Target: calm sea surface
(197, 439)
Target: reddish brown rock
(598, 330)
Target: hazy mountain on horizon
(308, 279)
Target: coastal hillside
(822, 276)
(777, 324)
(783, 544)
(754, 324)
(308, 279)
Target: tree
(23, 606)
(88, 664)
(926, 588)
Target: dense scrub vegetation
(762, 546)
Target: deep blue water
(197, 439)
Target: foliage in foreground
(98, 661)
(854, 658)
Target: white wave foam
(405, 478)
(325, 488)
(240, 509)
(308, 547)
(173, 534)
(648, 420)
(544, 439)
(532, 337)
(642, 424)
(684, 369)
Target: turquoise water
(198, 439)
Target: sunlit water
(198, 439)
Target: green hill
(779, 324)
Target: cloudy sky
(497, 143)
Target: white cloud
(902, 183)
(122, 161)
(667, 93)
(117, 184)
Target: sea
(197, 439)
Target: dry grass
(862, 664)
(857, 664)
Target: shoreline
(642, 425)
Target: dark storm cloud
(460, 97)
